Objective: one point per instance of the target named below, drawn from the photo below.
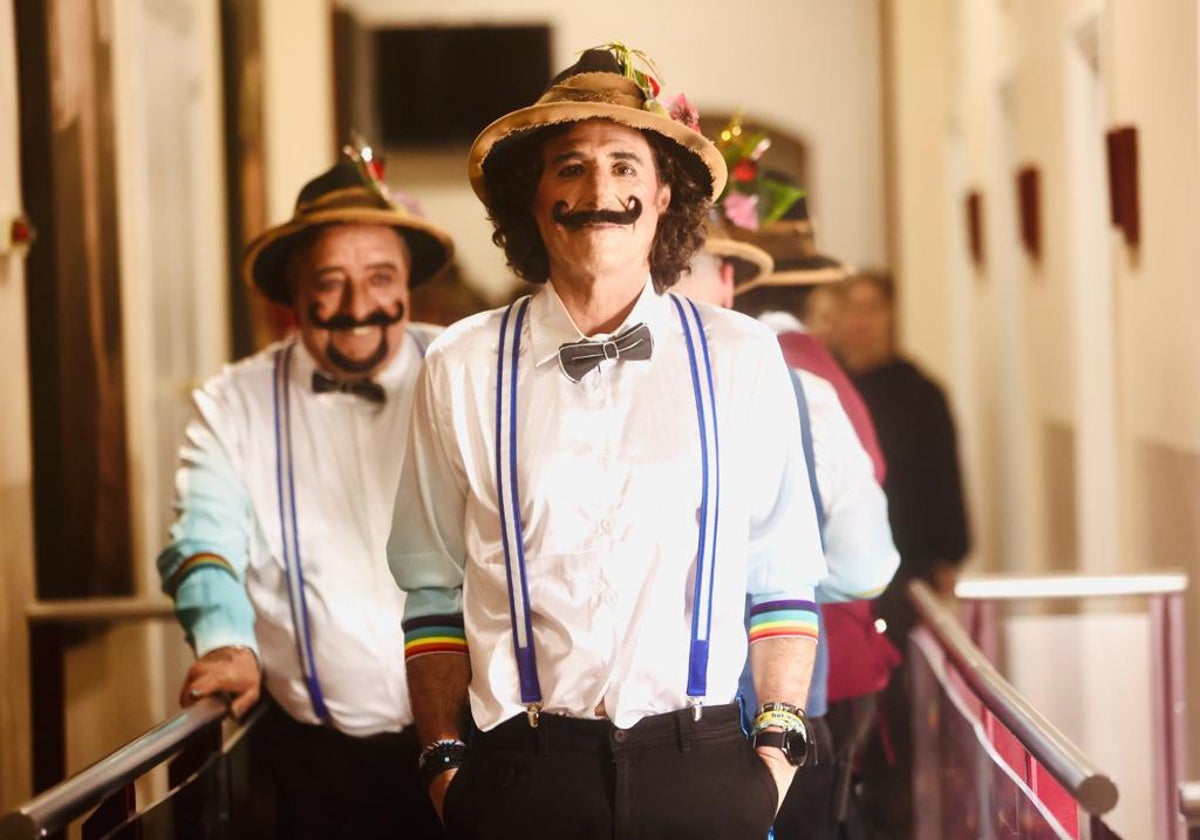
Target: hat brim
(815, 271)
(536, 117)
(266, 258)
(750, 262)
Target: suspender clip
(533, 711)
(697, 706)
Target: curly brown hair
(512, 171)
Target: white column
(297, 49)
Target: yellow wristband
(787, 721)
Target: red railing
(982, 600)
(986, 763)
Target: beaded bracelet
(784, 720)
(784, 715)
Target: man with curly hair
(606, 472)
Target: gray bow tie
(579, 357)
(368, 390)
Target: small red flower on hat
(751, 198)
(745, 171)
(645, 76)
(369, 166)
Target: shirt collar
(551, 326)
(392, 377)
(781, 322)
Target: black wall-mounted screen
(443, 85)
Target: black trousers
(331, 785)
(666, 778)
(808, 811)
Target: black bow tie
(579, 357)
(365, 388)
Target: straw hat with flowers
(611, 82)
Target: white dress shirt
(609, 475)
(859, 549)
(347, 454)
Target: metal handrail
(67, 801)
(1095, 792)
(1020, 587)
(83, 610)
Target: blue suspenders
(289, 530)
(806, 442)
(818, 692)
(509, 503)
(293, 569)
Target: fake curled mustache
(579, 218)
(341, 321)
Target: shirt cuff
(215, 611)
(783, 619)
(202, 560)
(434, 634)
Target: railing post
(981, 618)
(110, 813)
(1167, 711)
(46, 696)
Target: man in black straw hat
(853, 660)
(285, 493)
(606, 472)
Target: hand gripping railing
(71, 799)
(1095, 792)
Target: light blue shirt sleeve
(203, 567)
(426, 551)
(861, 555)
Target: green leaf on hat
(775, 198)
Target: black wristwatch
(794, 743)
(440, 756)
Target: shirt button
(620, 735)
(606, 526)
(609, 599)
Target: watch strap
(439, 757)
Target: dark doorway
(68, 177)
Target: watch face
(796, 747)
(793, 744)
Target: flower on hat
(640, 69)
(751, 198)
(370, 167)
(741, 209)
(683, 111)
(745, 172)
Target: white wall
(297, 45)
(811, 66)
(1077, 377)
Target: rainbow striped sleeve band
(196, 561)
(783, 620)
(434, 634)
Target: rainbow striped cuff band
(196, 561)
(434, 634)
(783, 620)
